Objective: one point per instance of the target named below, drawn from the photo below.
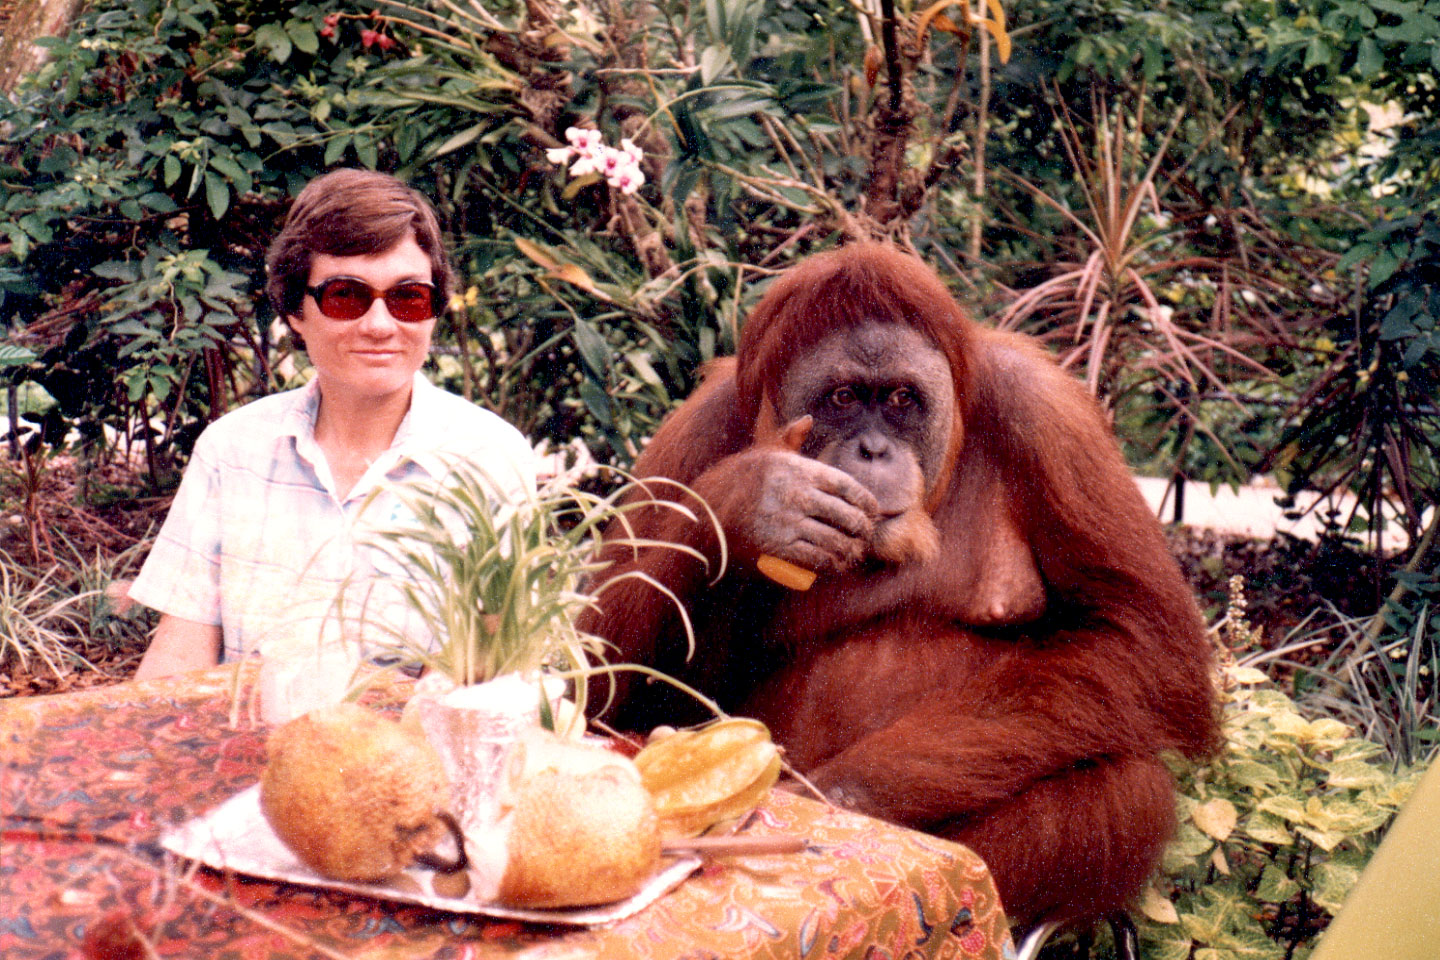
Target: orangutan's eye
(901, 397)
(844, 397)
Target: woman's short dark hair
(349, 213)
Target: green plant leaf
(1317, 54)
(159, 202)
(275, 40)
(1383, 267)
(1368, 58)
(1357, 253)
(126, 270)
(302, 34)
(1267, 829)
(715, 62)
(1170, 948)
(335, 149)
(461, 139)
(12, 355)
(1354, 774)
(217, 194)
(233, 171)
(1253, 776)
(1275, 886)
(597, 401)
(640, 362)
(1333, 882)
(129, 328)
(368, 152)
(594, 351)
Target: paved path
(1249, 511)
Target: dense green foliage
(1273, 835)
(152, 159)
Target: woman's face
(375, 356)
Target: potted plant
(490, 591)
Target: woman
(263, 530)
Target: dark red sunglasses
(349, 298)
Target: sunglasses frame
(316, 292)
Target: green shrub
(143, 169)
(1272, 836)
(1273, 833)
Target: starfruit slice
(702, 776)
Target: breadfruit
(354, 795)
(582, 830)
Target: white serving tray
(235, 836)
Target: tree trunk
(21, 23)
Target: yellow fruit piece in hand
(785, 573)
(703, 776)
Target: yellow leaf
(578, 184)
(576, 275)
(533, 251)
(1287, 807)
(1327, 729)
(1158, 907)
(1268, 829)
(995, 23)
(1290, 725)
(1217, 818)
(932, 12)
(944, 24)
(1246, 675)
(1002, 38)
(1218, 861)
(1326, 840)
(1354, 773)
(997, 11)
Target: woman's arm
(180, 645)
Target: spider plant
(496, 587)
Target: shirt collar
(299, 418)
(422, 437)
(425, 437)
(422, 417)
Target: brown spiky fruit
(354, 795)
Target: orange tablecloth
(90, 780)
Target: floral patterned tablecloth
(89, 781)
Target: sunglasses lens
(344, 299)
(410, 302)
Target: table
(90, 779)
